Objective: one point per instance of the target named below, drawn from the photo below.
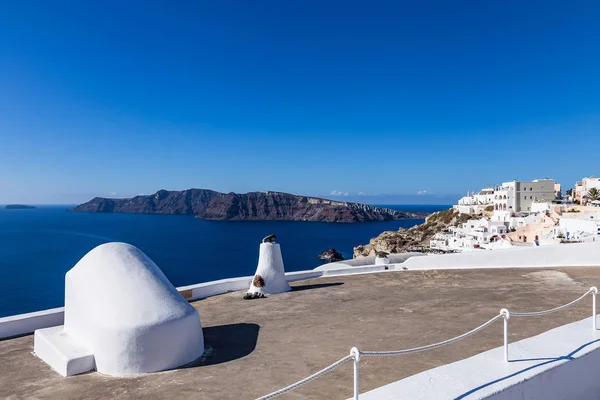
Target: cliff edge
(418, 236)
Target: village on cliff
(516, 213)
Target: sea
(38, 246)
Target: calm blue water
(38, 246)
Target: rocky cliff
(253, 206)
(417, 236)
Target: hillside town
(524, 213)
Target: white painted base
(60, 352)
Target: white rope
(308, 379)
(538, 313)
(422, 348)
(432, 346)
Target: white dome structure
(123, 310)
(270, 274)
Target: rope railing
(552, 310)
(307, 379)
(431, 346)
(504, 314)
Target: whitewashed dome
(120, 306)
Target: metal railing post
(506, 316)
(594, 290)
(355, 353)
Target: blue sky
(312, 97)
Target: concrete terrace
(261, 345)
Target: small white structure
(122, 317)
(382, 259)
(270, 274)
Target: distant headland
(18, 206)
(254, 206)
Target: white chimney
(270, 273)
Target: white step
(61, 352)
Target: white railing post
(355, 353)
(506, 316)
(594, 290)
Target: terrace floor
(261, 345)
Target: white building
(577, 227)
(518, 196)
(475, 202)
(469, 236)
(583, 186)
(483, 197)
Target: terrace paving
(261, 345)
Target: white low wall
(23, 324)
(576, 379)
(558, 364)
(213, 288)
(368, 260)
(302, 275)
(561, 255)
(367, 269)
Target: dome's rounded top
(121, 286)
